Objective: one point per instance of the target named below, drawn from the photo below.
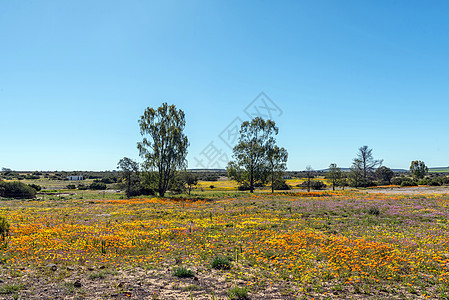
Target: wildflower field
(321, 245)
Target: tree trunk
(251, 182)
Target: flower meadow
(300, 245)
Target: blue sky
(75, 76)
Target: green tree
(165, 149)
(250, 154)
(191, 180)
(129, 170)
(277, 164)
(418, 169)
(334, 175)
(384, 175)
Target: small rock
(70, 269)
(121, 284)
(102, 267)
(90, 268)
(77, 284)
(53, 267)
(1, 281)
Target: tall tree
(250, 152)
(277, 163)
(418, 169)
(384, 174)
(363, 166)
(129, 172)
(310, 174)
(334, 175)
(365, 162)
(165, 149)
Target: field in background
(293, 245)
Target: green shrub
(17, 190)
(221, 263)
(281, 185)
(373, 211)
(182, 272)
(434, 182)
(238, 293)
(408, 182)
(244, 187)
(4, 228)
(71, 187)
(35, 186)
(97, 186)
(314, 185)
(10, 289)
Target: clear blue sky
(75, 76)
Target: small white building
(77, 177)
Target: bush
(314, 185)
(182, 272)
(244, 187)
(434, 182)
(281, 185)
(373, 211)
(221, 263)
(82, 187)
(35, 186)
(238, 293)
(4, 228)
(408, 182)
(97, 186)
(71, 187)
(16, 190)
(424, 182)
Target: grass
(220, 263)
(10, 289)
(303, 244)
(238, 293)
(182, 272)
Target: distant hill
(439, 170)
(348, 169)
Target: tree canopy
(164, 145)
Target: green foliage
(373, 210)
(384, 175)
(238, 293)
(10, 289)
(17, 190)
(36, 187)
(277, 164)
(280, 184)
(182, 272)
(334, 175)
(408, 182)
(4, 232)
(313, 184)
(165, 149)
(97, 186)
(129, 171)
(251, 160)
(71, 187)
(221, 263)
(190, 179)
(418, 169)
